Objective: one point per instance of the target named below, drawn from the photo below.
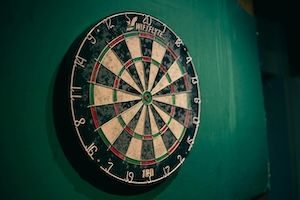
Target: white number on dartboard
(179, 157)
(77, 90)
(110, 166)
(194, 80)
(178, 42)
(166, 170)
(91, 38)
(197, 100)
(129, 176)
(190, 141)
(147, 20)
(195, 120)
(146, 173)
(79, 122)
(188, 60)
(108, 23)
(91, 150)
(79, 61)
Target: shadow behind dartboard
(69, 140)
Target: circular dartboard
(134, 98)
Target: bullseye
(147, 98)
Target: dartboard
(134, 98)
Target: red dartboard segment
(95, 71)
(116, 41)
(95, 117)
(146, 35)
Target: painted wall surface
(281, 96)
(294, 108)
(229, 158)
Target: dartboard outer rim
(82, 42)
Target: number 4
(190, 141)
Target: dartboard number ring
(134, 98)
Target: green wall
(281, 85)
(229, 158)
(294, 116)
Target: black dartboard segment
(134, 98)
